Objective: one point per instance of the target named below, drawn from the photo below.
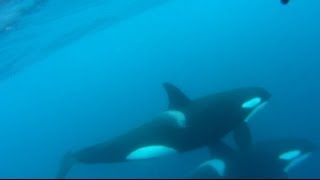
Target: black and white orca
(185, 126)
(265, 159)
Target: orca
(185, 125)
(272, 158)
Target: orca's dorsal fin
(176, 97)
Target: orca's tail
(66, 164)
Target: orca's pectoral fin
(176, 97)
(66, 164)
(221, 150)
(242, 137)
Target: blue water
(71, 77)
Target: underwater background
(78, 72)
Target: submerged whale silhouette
(185, 126)
(272, 158)
(285, 1)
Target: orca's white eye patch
(255, 110)
(252, 103)
(290, 155)
(148, 152)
